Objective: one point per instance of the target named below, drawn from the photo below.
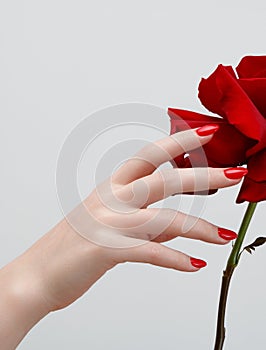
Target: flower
(239, 99)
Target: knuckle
(154, 253)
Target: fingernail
(235, 173)
(226, 234)
(198, 263)
(207, 129)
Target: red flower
(240, 101)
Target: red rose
(241, 139)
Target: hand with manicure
(113, 225)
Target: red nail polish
(207, 130)
(226, 234)
(198, 263)
(235, 173)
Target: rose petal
(220, 151)
(252, 67)
(210, 94)
(257, 167)
(252, 191)
(180, 116)
(235, 105)
(253, 188)
(256, 91)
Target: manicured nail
(207, 130)
(226, 234)
(235, 173)
(198, 263)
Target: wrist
(64, 265)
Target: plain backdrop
(59, 62)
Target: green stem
(234, 256)
(227, 274)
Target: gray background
(62, 60)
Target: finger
(162, 184)
(161, 225)
(154, 154)
(159, 255)
(178, 224)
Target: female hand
(113, 225)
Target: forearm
(49, 276)
(21, 302)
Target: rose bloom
(239, 100)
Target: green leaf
(258, 241)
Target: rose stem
(227, 274)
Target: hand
(63, 264)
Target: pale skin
(62, 265)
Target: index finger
(145, 161)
